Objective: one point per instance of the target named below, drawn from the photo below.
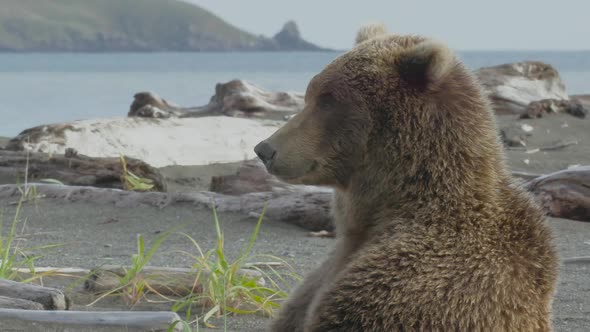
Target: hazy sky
(463, 24)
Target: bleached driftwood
(158, 142)
(576, 260)
(564, 194)
(162, 280)
(49, 298)
(234, 98)
(308, 209)
(525, 175)
(15, 303)
(88, 321)
(74, 169)
(554, 147)
(251, 177)
(538, 109)
(512, 87)
(306, 206)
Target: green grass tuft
(12, 255)
(133, 182)
(226, 287)
(229, 291)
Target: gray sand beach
(95, 235)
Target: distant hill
(128, 25)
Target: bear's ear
(425, 64)
(370, 31)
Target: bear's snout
(265, 152)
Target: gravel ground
(94, 235)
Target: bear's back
(482, 271)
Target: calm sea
(46, 88)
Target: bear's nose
(264, 151)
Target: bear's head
(402, 109)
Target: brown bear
(432, 234)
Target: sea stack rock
(289, 39)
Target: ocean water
(47, 88)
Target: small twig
(525, 175)
(263, 264)
(27, 166)
(544, 148)
(576, 260)
(56, 270)
(322, 234)
(26, 200)
(22, 235)
(559, 146)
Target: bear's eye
(326, 101)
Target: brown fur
(370, 31)
(432, 235)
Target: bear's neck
(444, 183)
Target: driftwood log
(310, 210)
(15, 303)
(251, 177)
(540, 108)
(525, 176)
(49, 298)
(583, 99)
(165, 281)
(554, 147)
(87, 321)
(307, 206)
(564, 194)
(74, 169)
(512, 87)
(234, 98)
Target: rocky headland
(131, 26)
